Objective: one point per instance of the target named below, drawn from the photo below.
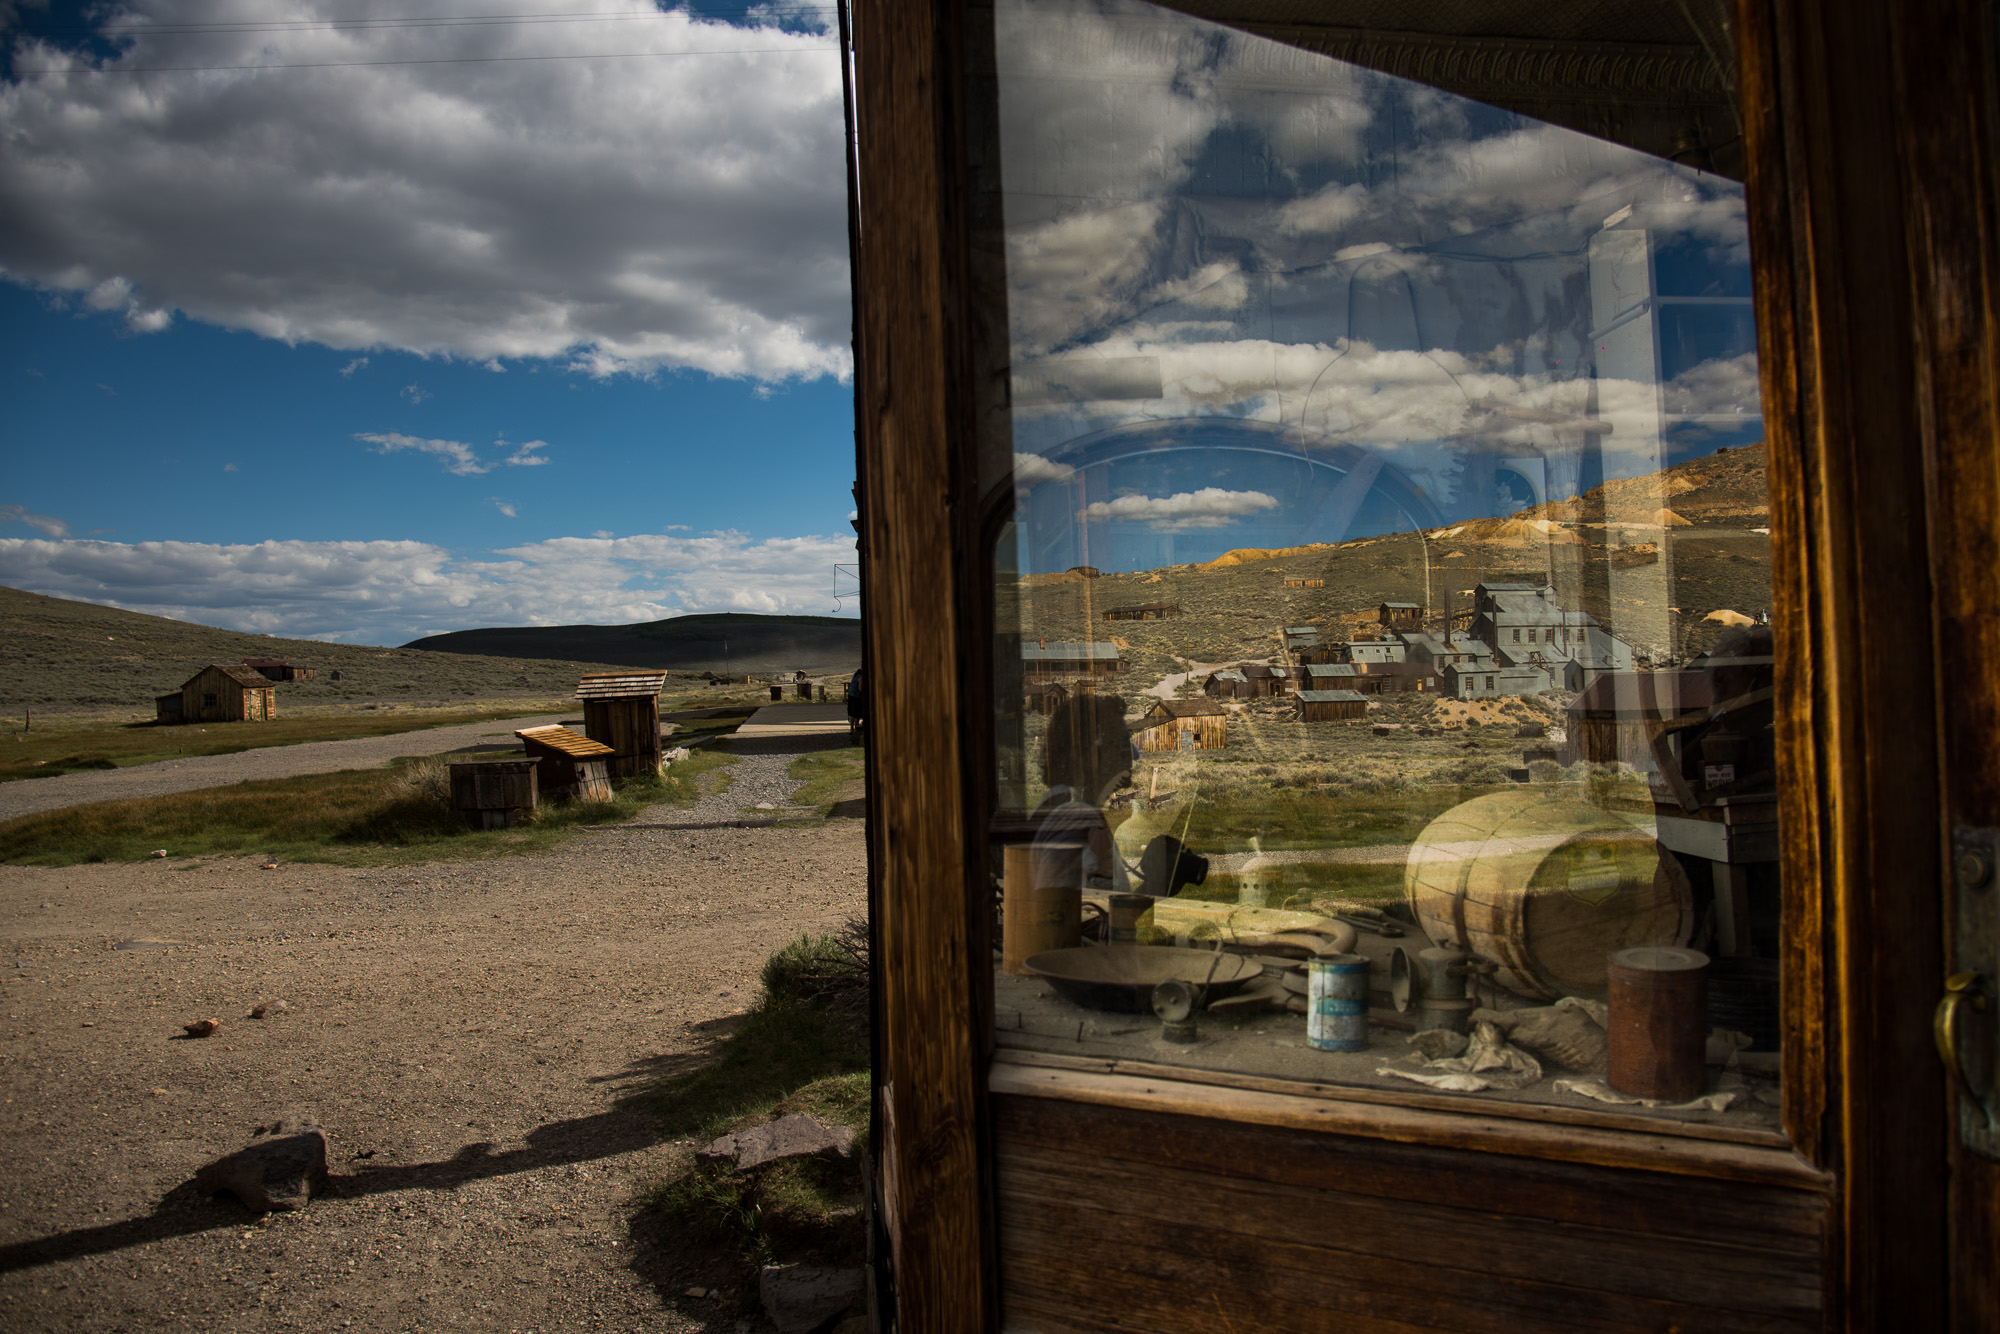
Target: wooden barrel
(1546, 888)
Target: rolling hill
(722, 642)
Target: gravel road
(466, 1033)
(28, 796)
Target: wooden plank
(1210, 1257)
(1793, 1221)
(1601, 1118)
(1859, 790)
(1732, 1268)
(1661, 1153)
(928, 653)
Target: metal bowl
(1122, 977)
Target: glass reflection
(1387, 574)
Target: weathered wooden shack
(1229, 683)
(223, 692)
(277, 669)
(1331, 706)
(1043, 696)
(1265, 679)
(1305, 583)
(568, 766)
(1400, 615)
(1616, 716)
(1045, 659)
(1183, 724)
(1142, 611)
(622, 710)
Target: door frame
(1875, 309)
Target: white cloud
(1210, 507)
(353, 366)
(41, 523)
(619, 214)
(524, 455)
(506, 507)
(389, 592)
(414, 393)
(459, 458)
(1031, 470)
(230, 467)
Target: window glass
(1383, 647)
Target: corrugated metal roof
(1335, 669)
(1331, 697)
(1301, 629)
(567, 742)
(1068, 652)
(1227, 675)
(1400, 606)
(620, 685)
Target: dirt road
(464, 1032)
(28, 796)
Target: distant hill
(724, 641)
(57, 654)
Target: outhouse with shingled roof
(622, 710)
(568, 765)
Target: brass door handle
(1959, 988)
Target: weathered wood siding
(1115, 1219)
(234, 701)
(631, 727)
(1208, 733)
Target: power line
(453, 60)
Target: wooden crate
(495, 794)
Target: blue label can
(1337, 1002)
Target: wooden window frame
(1853, 312)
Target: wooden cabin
(1265, 679)
(223, 692)
(1049, 1180)
(1183, 724)
(1329, 676)
(1046, 659)
(1043, 696)
(621, 710)
(1229, 683)
(276, 669)
(1142, 611)
(1400, 615)
(1331, 706)
(568, 766)
(1305, 583)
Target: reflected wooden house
(568, 765)
(1183, 724)
(622, 710)
(1047, 659)
(1043, 696)
(1615, 717)
(1331, 706)
(1142, 611)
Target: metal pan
(1122, 977)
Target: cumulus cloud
(1210, 507)
(390, 592)
(478, 200)
(459, 458)
(524, 455)
(41, 523)
(1032, 470)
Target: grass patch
(802, 1048)
(829, 776)
(59, 750)
(354, 817)
(681, 785)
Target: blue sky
(324, 325)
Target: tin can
(1037, 915)
(1126, 910)
(1337, 1002)
(1658, 1001)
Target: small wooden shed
(225, 692)
(1226, 684)
(1305, 583)
(1262, 680)
(1043, 696)
(1142, 611)
(1331, 706)
(568, 765)
(1400, 615)
(622, 710)
(276, 669)
(1184, 724)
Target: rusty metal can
(1337, 1002)
(1126, 910)
(1659, 1022)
